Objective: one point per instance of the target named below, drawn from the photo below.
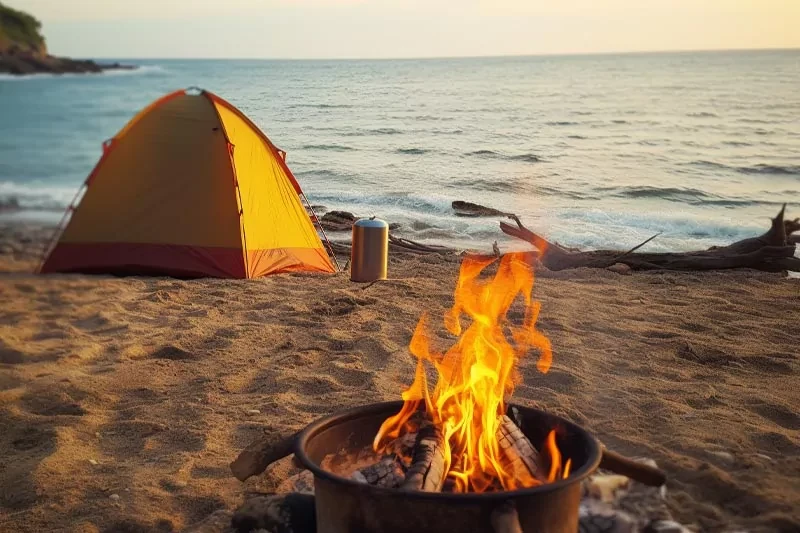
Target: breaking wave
(138, 71)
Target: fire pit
(455, 457)
(345, 505)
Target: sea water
(592, 151)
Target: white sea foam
(138, 71)
(36, 196)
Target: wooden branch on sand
(261, 453)
(771, 252)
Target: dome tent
(190, 188)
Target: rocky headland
(23, 49)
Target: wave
(647, 191)
(736, 143)
(702, 114)
(412, 151)
(687, 195)
(789, 170)
(37, 197)
(491, 154)
(322, 106)
(395, 200)
(579, 137)
(329, 147)
(375, 131)
(447, 132)
(761, 168)
(562, 123)
(481, 184)
(138, 71)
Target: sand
(124, 399)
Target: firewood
(386, 473)
(427, 470)
(284, 513)
(771, 252)
(636, 470)
(521, 458)
(261, 453)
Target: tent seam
(231, 148)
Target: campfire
(454, 453)
(464, 440)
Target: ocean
(591, 151)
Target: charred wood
(284, 513)
(427, 471)
(521, 458)
(387, 473)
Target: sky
(407, 28)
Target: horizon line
(495, 56)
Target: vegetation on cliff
(21, 31)
(23, 49)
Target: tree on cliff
(20, 31)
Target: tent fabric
(190, 187)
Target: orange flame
(477, 373)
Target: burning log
(387, 473)
(523, 461)
(428, 466)
(771, 252)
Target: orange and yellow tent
(191, 188)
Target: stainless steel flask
(369, 254)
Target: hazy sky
(407, 28)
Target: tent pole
(328, 242)
(60, 227)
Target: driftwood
(261, 453)
(521, 458)
(468, 209)
(427, 471)
(398, 245)
(771, 252)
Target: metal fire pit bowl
(346, 506)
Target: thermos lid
(371, 223)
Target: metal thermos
(369, 254)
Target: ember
(481, 449)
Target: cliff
(23, 49)
(19, 32)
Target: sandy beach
(124, 399)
